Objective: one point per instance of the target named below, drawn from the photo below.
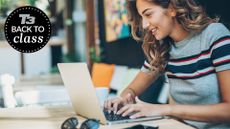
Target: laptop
(77, 80)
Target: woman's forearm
(140, 83)
(207, 113)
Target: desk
(52, 118)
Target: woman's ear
(171, 11)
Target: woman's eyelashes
(148, 14)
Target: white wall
(34, 63)
(9, 61)
(38, 62)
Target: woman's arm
(211, 113)
(140, 83)
(208, 113)
(135, 88)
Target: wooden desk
(52, 118)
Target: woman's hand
(115, 103)
(143, 109)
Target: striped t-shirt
(192, 69)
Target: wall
(34, 63)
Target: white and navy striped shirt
(192, 69)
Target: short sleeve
(219, 36)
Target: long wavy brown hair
(189, 14)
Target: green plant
(31, 2)
(65, 59)
(4, 6)
(69, 58)
(93, 56)
(54, 69)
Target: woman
(179, 40)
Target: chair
(102, 74)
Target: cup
(102, 94)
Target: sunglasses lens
(70, 123)
(90, 124)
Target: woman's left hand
(142, 109)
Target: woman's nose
(145, 24)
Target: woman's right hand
(116, 103)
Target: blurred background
(93, 31)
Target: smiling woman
(192, 49)
(192, 18)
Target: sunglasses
(71, 123)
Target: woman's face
(155, 19)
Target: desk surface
(52, 118)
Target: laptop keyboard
(114, 117)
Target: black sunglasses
(71, 123)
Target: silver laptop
(77, 80)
